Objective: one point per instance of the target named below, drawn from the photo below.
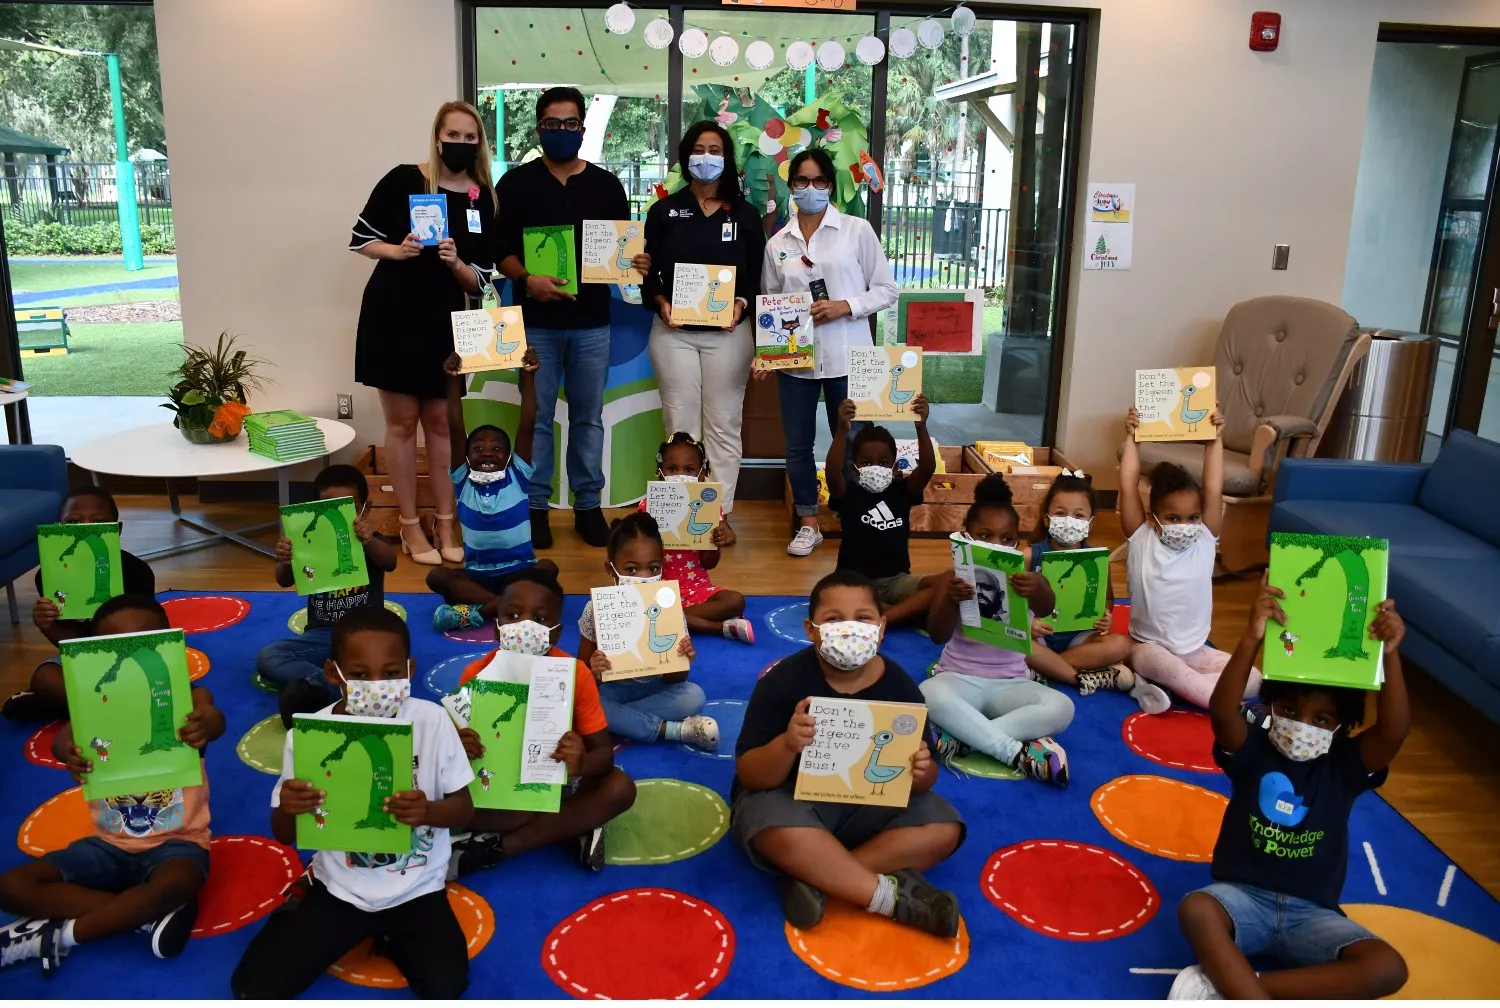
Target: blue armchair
(33, 483)
(1445, 548)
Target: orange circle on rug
(681, 947)
(1069, 890)
(1175, 738)
(55, 823)
(39, 746)
(202, 613)
(863, 950)
(1443, 959)
(1161, 816)
(197, 664)
(246, 877)
(361, 967)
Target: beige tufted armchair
(1282, 363)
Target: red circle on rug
(361, 966)
(1069, 890)
(39, 746)
(202, 613)
(1175, 738)
(197, 664)
(681, 947)
(246, 877)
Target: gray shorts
(850, 824)
(896, 588)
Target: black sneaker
(169, 934)
(801, 903)
(480, 851)
(27, 706)
(589, 849)
(541, 532)
(590, 524)
(304, 696)
(922, 905)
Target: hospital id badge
(475, 227)
(727, 233)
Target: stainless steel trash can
(1382, 415)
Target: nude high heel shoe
(429, 558)
(452, 554)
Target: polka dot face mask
(848, 644)
(375, 697)
(1297, 740)
(527, 637)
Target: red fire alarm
(1265, 31)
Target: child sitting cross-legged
(868, 855)
(491, 486)
(980, 695)
(43, 698)
(528, 620)
(296, 664)
(657, 708)
(147, 860)
(1283, 849)
(398, 899)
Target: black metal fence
(76, 192)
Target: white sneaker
(701, 732)
(1192, 984)
(1151, 697)
(805, 541)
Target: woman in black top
(404, 329)
(702, 371)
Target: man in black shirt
(570, 333)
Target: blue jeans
(799, 426)
(636, 708)
(1290, 929)
(287, 661)
(578, 361)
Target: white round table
(18, 424)
(160, 451)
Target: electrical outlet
(345, 405)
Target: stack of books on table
(284, 435)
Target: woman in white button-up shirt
(819, 242)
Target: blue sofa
(1443, 523)
(33, 482)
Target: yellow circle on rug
(671, 820)
(197, 664)
(55, 823)
(863, 950)
(263, 745)
(362, 967)
(1161, 816)
(1443, 959)
(297, 622)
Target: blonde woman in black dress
(404, 328)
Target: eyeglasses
(798, 183)
(571, 125)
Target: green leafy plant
(210, 378)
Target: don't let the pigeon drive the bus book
(861, 752)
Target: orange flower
(228, 419)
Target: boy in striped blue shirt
(491, 484)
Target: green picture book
(521, 706)
(326, 555)
(359, 762)
(128, 694)
(80, 566)
(1332, 585)
(552, 251)
(996, 614)
(1080, 579)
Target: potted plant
(209, 399)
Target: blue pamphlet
(429, 217)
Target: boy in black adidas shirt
(874, 509)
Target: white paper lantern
(903, 43)
(759, 55)
(799, 55)
(659, 33)
(693, 42)
(724, 50)
(963, 21)
(830, 56)
(869, 50)
(619, 19)
(930, 33)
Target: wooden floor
(1446, 779)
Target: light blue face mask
(706, 167)
(810, 200)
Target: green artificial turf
(124, 359)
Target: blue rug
(1073, 909)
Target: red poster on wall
(940, 326)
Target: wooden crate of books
(384, 515)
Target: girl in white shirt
(838, 257)
(1171, 568)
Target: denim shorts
(1059, 642)
(98, 864)
(1294, 931)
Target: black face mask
(459, 157)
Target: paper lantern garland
(830, 56)
(903, 43)
(930, 33)
(869, 50)
(724, 50)
(619, 19)
(799, 55)
(693, 42)
(659, 33)
(759, 55)
(963, 20)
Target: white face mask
(875, 478)
(527, 637)
(1178, 537)
(631, 578)
(848, 644)
(680, 478)
(1066, 530)
(1297, 740)
(485, 478)
(375, 697)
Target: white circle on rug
(869, 50)
(903, 43)
(800, 55)
(693, 42)
(443, 677)
(724, 50)
(830, 56)
(659, 33)
(759, 55)
(786, 622)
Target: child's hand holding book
(473, 747)
(409, 808)
(298, 797)
(1388, 627)
(570, 752)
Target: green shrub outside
(51, 238)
